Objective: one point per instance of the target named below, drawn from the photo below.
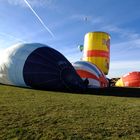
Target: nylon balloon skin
(12, 62)
(46, 68)
(97, 50)
(89, 71)
(38, 66)
(131, 79)
(81, 47)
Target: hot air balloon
(38, 66)
(97, 50)
(81, 47)
(131, 79)
(90, 72)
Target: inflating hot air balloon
(90, 72)
(97, 50)
(132, 79)
(38, 66)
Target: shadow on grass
(115, 91)
(110, 91)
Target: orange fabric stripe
(85, 74)
(97, 53)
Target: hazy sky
(62, 25)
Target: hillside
(35, 114)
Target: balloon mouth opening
(71, 79)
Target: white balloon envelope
(38, 66)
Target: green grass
(34, 114)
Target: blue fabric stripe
(46, 68)
(88, 65)
(17, 57)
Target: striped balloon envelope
(131, 79)
(89, 71)
(97, 50)
(38, 66)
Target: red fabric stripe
(85, 74)
(97, 53)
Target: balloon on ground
(90, 72)
(97, 50)
(131, 79)
(38, 66)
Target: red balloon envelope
(131, 79)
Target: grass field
(34, 114)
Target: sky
(62, 25)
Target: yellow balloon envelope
(119, 83)
(97, 49)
